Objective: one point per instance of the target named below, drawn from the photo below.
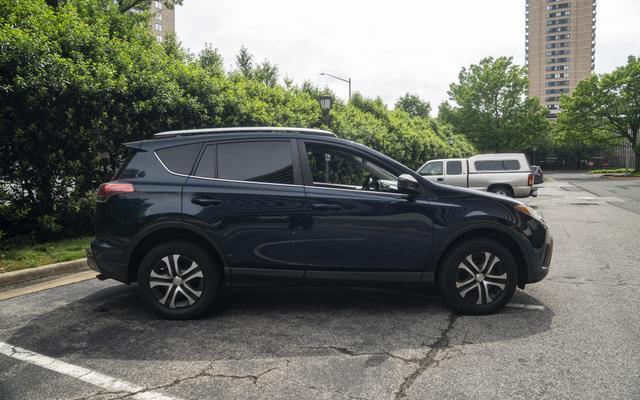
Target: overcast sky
(388, 48)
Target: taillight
(110, 188)
(530, 180)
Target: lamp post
(347, 80)
(450, 141)
(326, 102)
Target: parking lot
(574, 335)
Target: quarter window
(179, 159)
(256, 161)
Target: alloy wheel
(176, 281)
(481, 278)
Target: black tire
(502, 189)
(195, 289)
(464, 298)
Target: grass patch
(35, 255)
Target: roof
(266, 129)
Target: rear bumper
(539, 268)
(105, 259)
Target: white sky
(387, 48)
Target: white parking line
(84, 374)
(525, 306)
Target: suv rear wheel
(178, 280)
(478, 277)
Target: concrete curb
(30, 274)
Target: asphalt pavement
(574, 335)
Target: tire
(502, 189)
(184, 289)
(461, 281)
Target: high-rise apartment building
(163, 20)
(560, 47)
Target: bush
(80, 80)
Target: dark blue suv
(191, 213)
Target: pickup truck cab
(506, 174)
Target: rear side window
(454, 167)
(207, 166)
(131, 168)
(256, 161)
(497, 165)
(179, 159)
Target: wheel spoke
(156, 276)
(465, 283)
(164, 298)
(197, 274)
(464, 267)
(469, 263)
(494, 261)
(193, 292)
(487, 258)
(190, 269)
(167, 263)
(172, 303)
(503, 276)
(153, 284)
(468, 289)
(497, 284)
(186, 295)
(486, 292)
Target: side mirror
(408, 184)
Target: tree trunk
(637, 153)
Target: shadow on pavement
(112, 323)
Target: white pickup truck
(506, 174)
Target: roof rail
(266, 129)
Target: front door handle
(325, 207)
(440, 179)
(205, 201)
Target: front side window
(256, 162)
(333, 167)
(434, 168)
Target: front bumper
(540, 268)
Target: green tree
(414, 105)
(604, 108)
(489, 106)
(211, 60)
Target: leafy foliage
(603, 108)
(79, 79)
(414, 105)
(491, 108)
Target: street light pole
(347, 80)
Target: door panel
(456, 173)
(367, 232)
(358, 222)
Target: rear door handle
(440, 179)
(325, 207)
(205, 201)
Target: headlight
(528, 211)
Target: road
(579, 337)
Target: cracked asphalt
(333, 343)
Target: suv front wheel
(478, 277)
(178, 280)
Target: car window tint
(512, 165)
(434, 168)
(454, 167)
(489, 165)
(256, 161)
(206, 166)
(179, 159)
(331, 165)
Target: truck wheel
(501, 189)
(178, 280)
(478, 277)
